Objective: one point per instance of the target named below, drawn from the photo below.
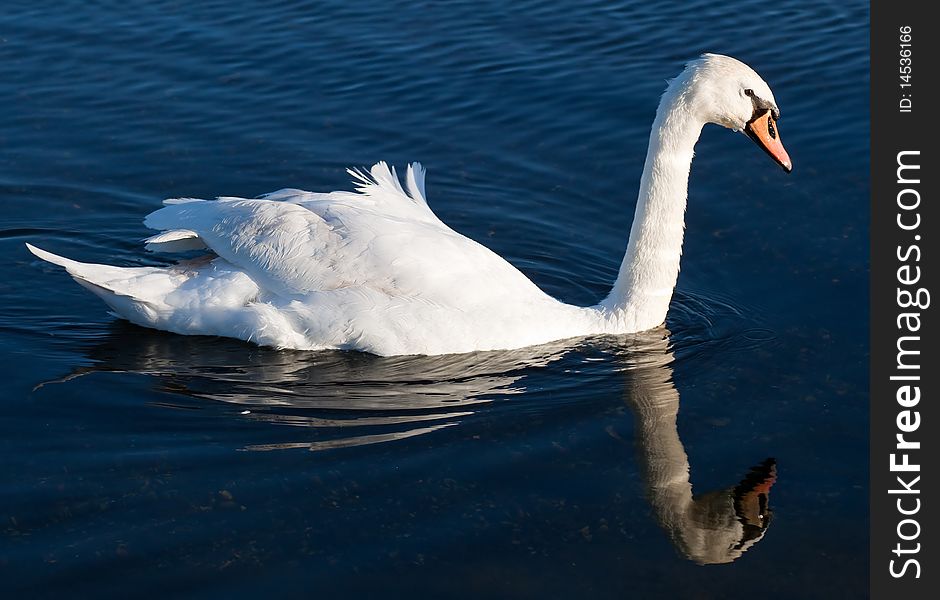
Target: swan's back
(372, 270)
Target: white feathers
(55, 259)
(381, 183)
(372, 270)
(376, 270)
(169, 201)
(175, 240)
(384, 179)
(414, 181)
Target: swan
(375, 270)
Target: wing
(380, 238)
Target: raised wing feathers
(382, 237)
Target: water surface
(142, 462)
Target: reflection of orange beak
(763, 130)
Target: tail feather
(137, 294)
(204, 296)
(50, 257)
(101, 276)
(120, 287)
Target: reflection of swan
(716, 527)
(377, 271)
(341, 399)
(344, 399)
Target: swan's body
(375, 270)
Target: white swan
(375, 270)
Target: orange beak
(763, 130)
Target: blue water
(139, 462)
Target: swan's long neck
(641, 295)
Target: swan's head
(725, 91)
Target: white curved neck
(640, 297)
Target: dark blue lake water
(138, 462)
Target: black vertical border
(893, 131)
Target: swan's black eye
(749, 92)
(771, 130)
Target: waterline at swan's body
(375, 270)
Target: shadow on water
(337, 396)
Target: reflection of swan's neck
(663, 458)
(716, 527)
(640, 297)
